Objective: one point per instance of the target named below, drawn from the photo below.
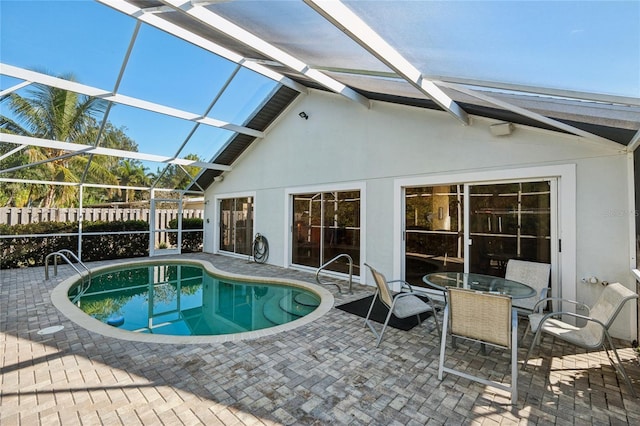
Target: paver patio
(326, 372)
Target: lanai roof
(543, 64)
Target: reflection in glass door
(504, 221)
(508, 221)
(433, 231)
(326, 225)
(236, 225)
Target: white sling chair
(533, 274)
(594, 334)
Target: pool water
(185, 300)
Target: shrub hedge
(191, 241)
(32, 251)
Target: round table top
(479, 282)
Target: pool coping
(60, 299)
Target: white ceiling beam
(95, 185)
(354, 27)
(39, 182)
(513, 87)
(634, 143)
(243, 36)
(14, 88)
(91, 185)
(544, 91)
(13, 151)
(535, 116)
(153, 17)
(119, 153)
(72, 86)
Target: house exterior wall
(342, 143)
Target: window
(236, 225)
(325, 225)
(433, 230)
(504, 221)
(509, 221)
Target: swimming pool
(187, 301)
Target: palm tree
(174, 176)
(131, 173)
(56, 114)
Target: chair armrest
(547, 299)
(543, 293)
(411, 293)
(571, 314)
(403, 283)
(540, 308)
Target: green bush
(191, 241)
(32, 250)
(115, 246)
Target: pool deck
(325, 372)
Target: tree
(178, 177)
(59, 115)
(131, 173)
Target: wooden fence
(27, 215)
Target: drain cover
(51, 330)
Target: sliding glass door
(325, 225)
(236, 225)
(433, 230)
(476, 227)
(508, 221)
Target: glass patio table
(478, 282)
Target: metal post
(80, 219)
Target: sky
(90, 40)
(586, 45)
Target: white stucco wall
(343, 142)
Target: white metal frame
(241, 35)
(152, 17)
(110, 152)
(352, 25)
(153, 251)
(72, 86)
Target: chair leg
(526, 332)
(533, 343)
(620, 367)
(373, 302)
(443, 342)
(514, 358)
(435, 319)
(384, 327)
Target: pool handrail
(331, 261)
(62, 254)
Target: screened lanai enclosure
(141, 114)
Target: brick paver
(326, 372)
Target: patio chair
(534, 275)
(594, 334)
(402, 305)
(485, 318)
